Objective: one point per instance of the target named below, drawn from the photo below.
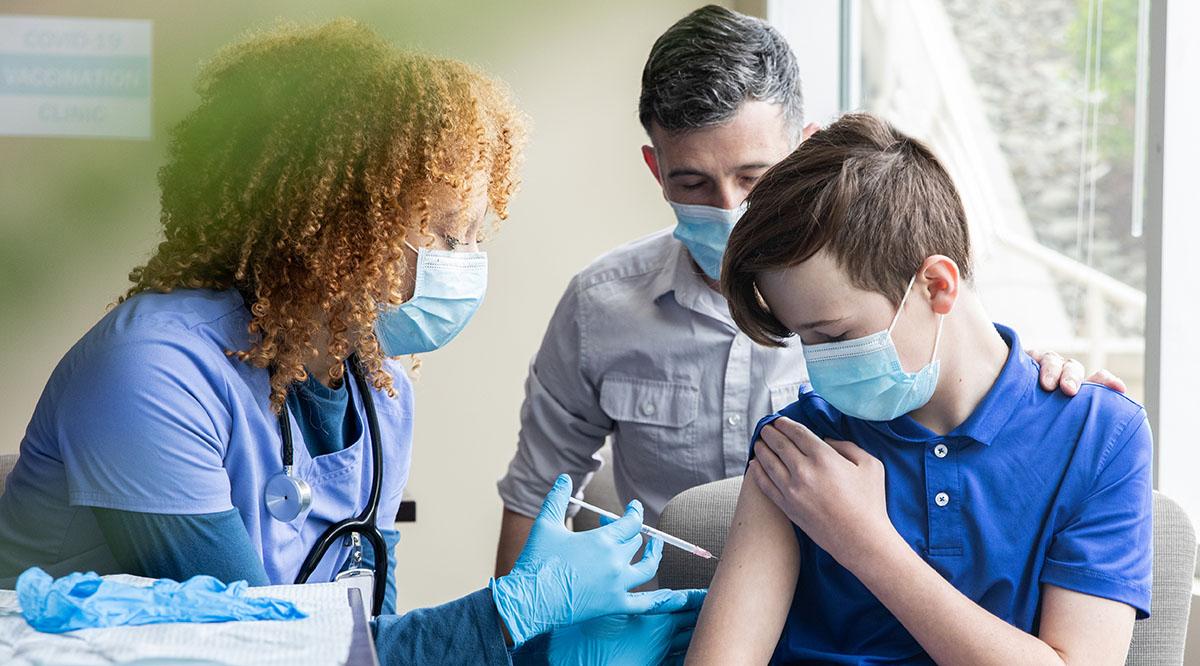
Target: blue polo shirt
(1033, 489)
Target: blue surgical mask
(863, 377)
(449, 288)
(704, 231)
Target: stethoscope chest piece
(287, 497)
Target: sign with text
(62, 76)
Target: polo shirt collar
(1017, 377)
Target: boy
(1014, 526)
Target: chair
(702, 516)
(699, 515)
(7, 462)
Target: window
(1032, 105)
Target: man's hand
(832, 490)
(1066, 374)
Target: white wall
(76, 215)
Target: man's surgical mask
(449, 288)
(704, 231)
(863, 377)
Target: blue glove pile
(85, 601)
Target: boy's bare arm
(1084, 629)
(751, 593)
(1075, 628)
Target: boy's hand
(832, 490)
(1067, 373)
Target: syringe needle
(649, 531)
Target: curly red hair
(313, 153)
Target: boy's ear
(940, 280)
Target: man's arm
(514, 531)
(752, 590)
(562, 425)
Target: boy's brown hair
(876, 199)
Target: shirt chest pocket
(650, 414)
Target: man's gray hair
(704, 67)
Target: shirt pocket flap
(649, 401)
(784, 395)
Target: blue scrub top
(147, 413)
(1033, 488)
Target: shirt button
(940, 450)
(941, 499)
(734, 420)
(647, 409)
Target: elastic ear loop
(937, 340)
(413, 361)
(907, 291)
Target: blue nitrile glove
(628, 640)
(563, 577)
(85, 601)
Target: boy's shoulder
(1106, 420)
(1101, 400)
(1093, 402)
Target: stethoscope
(288, 496)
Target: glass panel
(1031, 105)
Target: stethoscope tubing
(365, 522)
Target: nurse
(322, 210)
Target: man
(642, 346)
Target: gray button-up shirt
(642, 349)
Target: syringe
(650, 531)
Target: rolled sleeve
(1105, 550)
(562, 424)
